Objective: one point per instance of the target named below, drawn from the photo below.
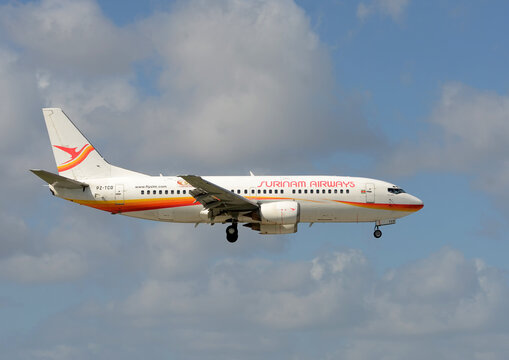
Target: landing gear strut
(377, 233)
(232, 233)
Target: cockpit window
(395, 190)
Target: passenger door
(370, 193)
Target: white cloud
(468, 132)
(433, 307)
(246, 82)
(70, 37)
(444, 293)
(58, 266)
(69, 249)
(393, 8)
(473, 123)
(18, 99)
(469, 129)
(259, 292)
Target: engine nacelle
(273, 228)
(278, 229)
(280, 213)
(205, 215)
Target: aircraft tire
(378, 233)
(232, 234)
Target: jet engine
(280, 213)
(279, 217)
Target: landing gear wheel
(377, 233)
(232, 234)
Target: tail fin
(75, 156)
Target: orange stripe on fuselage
(391, 207)
(138, 204)
(147, 204)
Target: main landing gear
(377, 233)
(232, 233)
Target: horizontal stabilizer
(59, 181)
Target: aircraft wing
(59, 181)
(213, 196)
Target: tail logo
(76, 156)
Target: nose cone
(415, 202)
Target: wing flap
(213, 196)
(58, 180)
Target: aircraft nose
(416, 202)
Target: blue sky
(411, 92)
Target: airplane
(267, 204)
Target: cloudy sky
(412, 92)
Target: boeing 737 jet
(267, 204)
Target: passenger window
(252, 191)
(245, 191)
(330, 191)
(311, 191)
(178, 192)
(183, 191)
(160, 192)
(341, 191)
(259, 191)
(173, 192)
(293, 191)
(282, 192)
(166, 192)
(323, 191)
(335, 191)
(233, 191)
(264, 191)
(270, 191)
(347, 191)
(300, 191)
(275, 191)
(142, 192)
(305, 191)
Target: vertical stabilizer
(75, 156)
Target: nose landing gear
(378, 233)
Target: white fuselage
(321, 198)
